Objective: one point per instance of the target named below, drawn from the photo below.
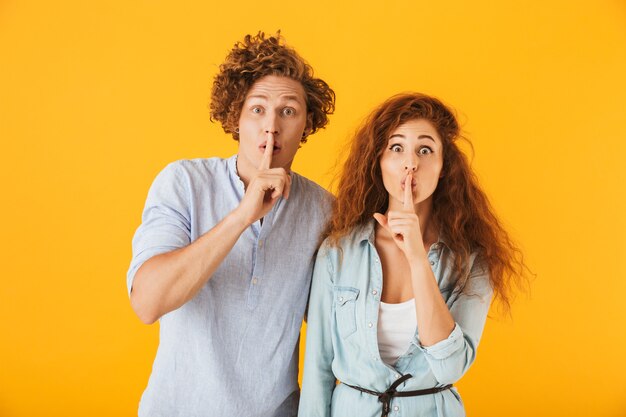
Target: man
(224, 253)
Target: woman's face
(416, 147)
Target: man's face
(274, 105)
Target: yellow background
(97, 97)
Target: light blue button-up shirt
(342, 339)
(233, 349)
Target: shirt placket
(258, 269)
(372, 305)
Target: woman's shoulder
(343, 252)
(353, 240)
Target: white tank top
(396, 328)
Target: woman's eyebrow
(399, 135)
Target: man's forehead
(277, 87)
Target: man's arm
(167, 281)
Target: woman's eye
(395, 148)
(425, 151)
(256, 110)
(289, 111)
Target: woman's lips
(413, 183)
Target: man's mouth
(274, 151)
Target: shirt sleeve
(165, 223)
(319, 381)
(450, 358)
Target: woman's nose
(410, 164)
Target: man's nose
(271, 125)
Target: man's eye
(395, 148)
(288, 111)
(425, 151)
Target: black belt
(385, 397)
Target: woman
(403, 282)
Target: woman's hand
(404, 225)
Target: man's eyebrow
(291, 97)
(258, 95)
(419, 137)
(287, 97)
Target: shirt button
(369, 324)
(254, 281)
(432, 262)
(396, 408)
(397, 376)
(340, 299)
(374, 292)
(376, 260)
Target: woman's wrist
(419, 262)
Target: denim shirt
(341, 342)
(232, 350)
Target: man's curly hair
(254, 58)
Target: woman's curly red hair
(461, 210)
(254, 58)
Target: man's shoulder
(199, 166)
(193, 171)
(312, 189)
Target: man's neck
(246, 171)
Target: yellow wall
(96, 97)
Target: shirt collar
(235, 180)
(366, 231)
(232, 165)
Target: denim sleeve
(165, 223)
(450, 358)
(319, 381)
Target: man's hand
(404, 225)
(265, 187)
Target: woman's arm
(448, 335)
(450, 358)
(319, 381)
(434, 320)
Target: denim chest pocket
(345, 310)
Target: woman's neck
(423, 209)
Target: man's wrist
(237, 220)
